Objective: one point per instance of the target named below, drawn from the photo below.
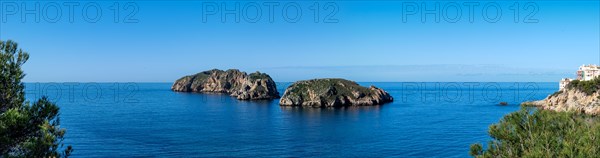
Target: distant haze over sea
(364, 73)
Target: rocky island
(255, 86)
(332, 93)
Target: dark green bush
(589, 87)
(556, 93)
(542, 133)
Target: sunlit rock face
(255, 86)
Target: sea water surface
(148, 119)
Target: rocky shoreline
(570, 100)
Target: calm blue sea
(148, 119)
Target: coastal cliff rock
(332, 93)
(254, 86)
(571, 99)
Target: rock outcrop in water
(238, 84)
(572, 98)
(332, 93)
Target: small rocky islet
(332, 92)
(243, 86)
(329, 92)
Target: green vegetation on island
(342, 87)
(26, 130)
(332, 92)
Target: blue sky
(369, 42)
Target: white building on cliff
(585, 73)
(588, 72)
(563, 83)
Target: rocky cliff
(573, 98)
(332, 93)
(238, 84)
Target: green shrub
(589, 87)
(528, 104)
(556, 93)
(542, 133)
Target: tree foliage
(542, 133)
(26, 130)
(12, 89)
